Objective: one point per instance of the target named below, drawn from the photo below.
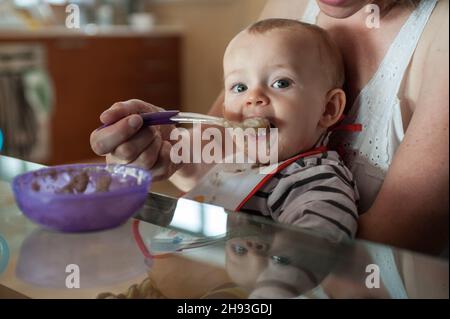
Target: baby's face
(245, 259)
(277, 76)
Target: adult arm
(411, 209)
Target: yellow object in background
(28, 19)
(199, 199)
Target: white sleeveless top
(377, 108)
(369, 153)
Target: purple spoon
(174, 117)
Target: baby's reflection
(246, 258)
(275, 262)
(261, 261)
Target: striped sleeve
(320, 198)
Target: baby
(291, 74)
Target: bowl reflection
(47, 259)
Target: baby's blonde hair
(330, 54)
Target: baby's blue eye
(239, 88)
(280, 260)
(281, 84)
(239, 250)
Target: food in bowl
(81, 197)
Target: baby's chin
(287, 152)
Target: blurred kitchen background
(55, 81)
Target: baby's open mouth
(251, 122)
(259, 125)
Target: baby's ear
(335, 105)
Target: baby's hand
(127, 142)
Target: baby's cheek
(232, 114)
(232, 109)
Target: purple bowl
(82, 197)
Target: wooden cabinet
(90, 73)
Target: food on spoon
(254, 122)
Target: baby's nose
(257, 98)
(257, 247)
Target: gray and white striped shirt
(316, 193)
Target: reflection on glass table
(177, 248)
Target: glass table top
(177, 248)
